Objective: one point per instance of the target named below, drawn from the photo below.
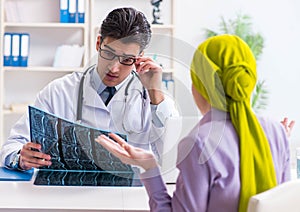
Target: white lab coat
(60, 97)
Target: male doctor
(121, 93)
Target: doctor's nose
(114, 65)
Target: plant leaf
(259, 97)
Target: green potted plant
(241, 26)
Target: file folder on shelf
(80, 11)
(64, 13)
(24, 50)
(15, 49)
(72, 11)
(7, 58)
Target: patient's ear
(200, 101)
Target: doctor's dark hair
(127, 24)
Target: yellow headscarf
(223, 71)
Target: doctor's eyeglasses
(123, 59)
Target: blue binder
(80, 10)
(15, 175)
(7, 41)
(72, 11)
(24, 49)
(15, 49)
(64, 11)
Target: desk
(24, 196)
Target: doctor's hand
(150, 74)
(31, 157)
(288, 126)
(128, 154)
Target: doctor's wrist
(15, 163)
(156, 96)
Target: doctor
(120, 93)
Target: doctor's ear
(99, 41)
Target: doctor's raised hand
(150, 74)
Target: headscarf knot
(238, 81)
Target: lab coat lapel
(90, 96)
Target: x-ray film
(77, 160)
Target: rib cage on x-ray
(76, 158)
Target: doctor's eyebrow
(127, 55)
(107, 46)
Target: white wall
(278, 22)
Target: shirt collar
(215, 115)
(97, 83)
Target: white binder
(24, 50)
(72, 11)
(64, 15)
(7, 49)
(15, 49)
(80, 10)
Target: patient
(230, 154)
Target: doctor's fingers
(143, 59)
(34, 150)
(30, 162)
(143, 66)
(148, 67)
(30, 145)
(29, 159)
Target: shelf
(45, 25)
(15, 109)
(42, 69)
(8, 112)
